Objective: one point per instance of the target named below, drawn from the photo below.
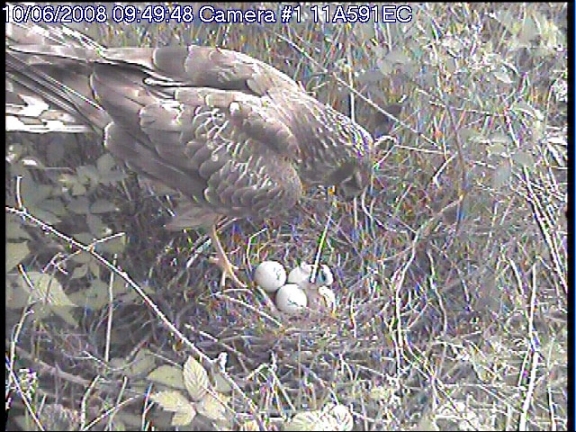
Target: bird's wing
(43, 95)
(202, 66)
(225, 151)
(196, 119)
(54, 62)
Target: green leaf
(213, 406)
(15, 254)
(94, 297)
(46, 288)
(184, 417)
(15, 229)
(308, 421)
(171, 376)
(82, 257)
(503, 76)
(80, 205)
(220, 384)
(341, 416)
(105, 164)
(16, 296)
(45, 216)
(97, 226)
(103, 206)
(170, 400)
(94, 267)
(50, 297)
(88, 174)
(84, 237)
(524, 159)
(113, 245)
(33, 192)
(78, 189)
(79, 272)
(42, 311)
(144, 361)
(502, 175)
(53, 205)
(195, 379)
(497, 149)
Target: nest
(314, 357)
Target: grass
(450, 272)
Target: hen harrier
(232, 135)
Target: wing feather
(226, 151)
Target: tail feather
(37, 34)
(50, 93)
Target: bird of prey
(232, 135)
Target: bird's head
(351, 172)
(350, 179)
(335, 150)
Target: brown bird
(232, 135)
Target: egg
(301, 276)
(270, 276)
(327, 298)
(322, 299)
(291, 299)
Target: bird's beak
(352, 186)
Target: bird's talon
(228, 272)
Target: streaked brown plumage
(233, 135)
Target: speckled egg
(291, 299)
(270, 276)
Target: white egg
(270, 275)
(291, 299)
(301, 276)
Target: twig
(23, 213)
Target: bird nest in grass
(281, 363)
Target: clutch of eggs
(294, 292)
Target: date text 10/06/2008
(126, 13)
